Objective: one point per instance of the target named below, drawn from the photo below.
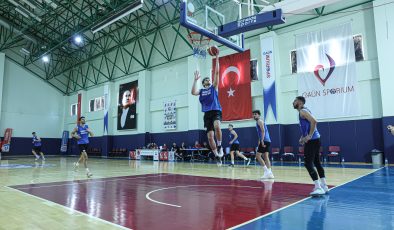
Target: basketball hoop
(199, 44)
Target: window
(358, 52)
(358, 47)
(91, 105)
(96, 104)
(74, 109)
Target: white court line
(70, 209)
(260, 217)
(147, 196)
(100, 180)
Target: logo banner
(106, 108)
(79, 107)
(6, 144)
(63, 147)
(268, 73)
(169, 115)
(327, 72)
(234, 86)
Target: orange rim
(201, 39)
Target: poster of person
(358, 47)
(127, 106)
(253, 70)
(293, 61)
(170, 115)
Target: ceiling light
(21, 12)
(78, 39)
(122, 13)
(45, 59)
(29, 4)
(52, 4)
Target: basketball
(213, 50)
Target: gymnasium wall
(356, 135)
(384, 24)
(30, 104)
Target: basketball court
(152, 195)
(115, 114)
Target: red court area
(169, 201)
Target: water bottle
(299, 160)
(386, 162)
(343, 160)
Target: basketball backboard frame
(223, 22)
(203, 26)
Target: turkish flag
(234, 86)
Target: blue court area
(332, 165)
(326, 165)
(365, 203)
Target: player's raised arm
(195, 91)
(216, 73)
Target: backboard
(206, 16)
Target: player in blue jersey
(37, 147)
(234, 146)
(209, 100)
(81, 133)
(264, 144)
(310, 138)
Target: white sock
(245, 158)
(76, 164)
(270, 170)
(323, 181)
(87, 170)
(215, 152)
(265, 169)
(317, 184)
(232, 162)
(219, 143)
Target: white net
(199, 44)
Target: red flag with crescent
(234, 86)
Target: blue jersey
(36, 143)
(83, 133)
(232, 137)
(266, 133)
(209, 99)
(305, 127)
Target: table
(140, 153)
(155, 153)
(199, 150)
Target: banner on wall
(79, 107)
(169, 115)
(106, 108)
(63, 147)
(327, 72)
(268, 74)
(6, 144)
(234, 86)
(127, 106)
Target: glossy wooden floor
(22, 211)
